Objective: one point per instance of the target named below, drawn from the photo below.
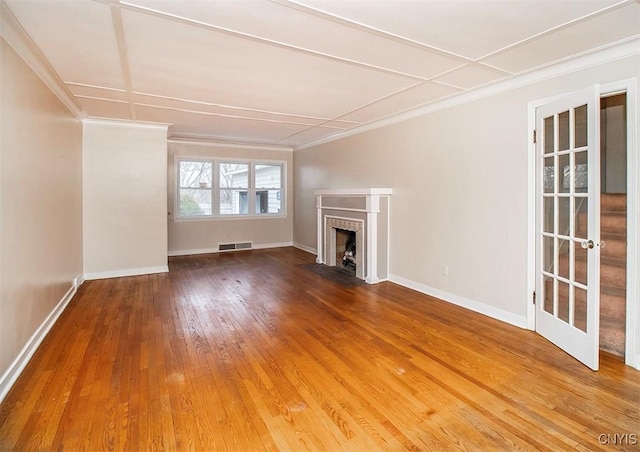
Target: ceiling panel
(244, 73)
(222, 110)
(465, 27)
(100, 108)
(419, 95)
(300, 29)
(76, 36)
(472, 75)
(194, 124)
(613, 26)
(290, 72)
(306, 136)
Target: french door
(567, 224)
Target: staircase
(613, 275)
(613, 272)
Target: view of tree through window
(195, 188)
(234, 187)
(209, 188)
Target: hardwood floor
(254, 350)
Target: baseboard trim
(193, 252)
(306, 248)
(481, 308)
(127, 272)
(255, 246)
(265, 246)
(10, 376)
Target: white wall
(40, 211)
(459, 180)
(197, 236)
(124, 198)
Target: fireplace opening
(346, 249)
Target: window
(194, 192)
(212, 188)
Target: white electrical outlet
(445, 270)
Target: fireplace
(346, 249)
(336, 227)
(353, 231)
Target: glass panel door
(567, 224)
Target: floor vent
(235, 246)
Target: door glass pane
(565, 173)
(548, 214)
(564, 257)
(563, 131)
(563, 216)
(548, 135)
(547, 249)
(581, 126)
(549, 176)
(563, 301)
(581, 259)
(581, 217)
(580, 309)
(581, 172)
(547, 296)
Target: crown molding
(603, 55)
(228, 144)
(18, 39)
(127, 123)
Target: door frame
(632, 336)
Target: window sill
(229, 217)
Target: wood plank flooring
(254, 351)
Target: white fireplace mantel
(371, 210)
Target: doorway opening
(613, 223)
(584, 251)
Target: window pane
(564, 216)
(268, 201)
(581, 263)
(581, 172)
(549, 177)
(564, 173)
(580, 310)
(547, 294)
(195, 174)
(549, 146)
(563, 301)
(268, 176)
(548, 249)
(548, 211)
(195, 202)
(234, 202)
(581, 126)
(234, 175)
(563, 131)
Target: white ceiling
(281, 72)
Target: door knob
(587, 244)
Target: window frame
(216, 189)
